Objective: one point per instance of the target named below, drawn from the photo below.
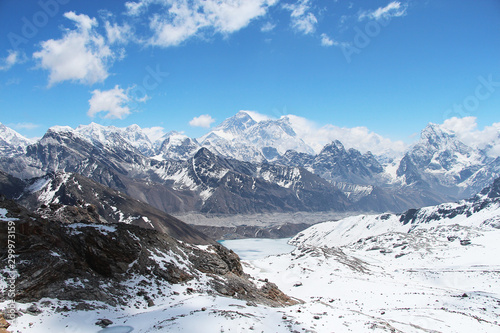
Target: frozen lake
(258, 248)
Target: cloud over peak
(113, 102)
(204, 121)
(466, 131)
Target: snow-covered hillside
(434, 269)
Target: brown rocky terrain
(112, 263)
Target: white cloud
(302, 19)
(360, 138)
(13, 58)
(327, 41)
(118, 33)
(460, 125)
(80, 55)
(204, 121)
(306, 24)
(136, 8)
(393, 9)
(466, 131)
(113, 102)
(154, 133)
(181, 19)
(268, 26)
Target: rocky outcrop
(110, 262)
(10, 186)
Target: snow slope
(435, 269)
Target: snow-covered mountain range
(162, 170)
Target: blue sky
(389, 66)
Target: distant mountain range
(247, 165)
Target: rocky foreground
(93, 266)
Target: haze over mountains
(250, 164)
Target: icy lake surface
(258, 248)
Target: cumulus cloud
(302, 19)
(178, 20)
(360, 138)
(393, 9)
(113, 102)
(204, 121)
(466, 131)
(460, 125)
(81, 55)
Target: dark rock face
(237, 187)
(492, 191)
(78, 199)
(361, 178)
(337, 164)
(10, 186)
(488, 197)
(94, 262)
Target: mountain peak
(204, 153)
(134, 127)
(436, 135)
(335, 146)
(60, 129)
(237, 123)
(242, 114)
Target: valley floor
(262, 220)
(442, 286)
